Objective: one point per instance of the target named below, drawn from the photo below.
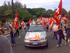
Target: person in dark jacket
(5, 45)
(12, 34)
(58, 33)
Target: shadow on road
(36, 48)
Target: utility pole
(12, 9)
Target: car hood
(35, 35)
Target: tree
(26, 13)
(6, 10)
(37, 11)
(17, 5)
(64, 12)
(23, 13)
(69, 14)
(49, 13)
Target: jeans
(17, 32)
(67, 30)
(12, 37)
(58, 35)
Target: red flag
(22, 23)
(43, 23)
(29, 22)
(16, 16)
(50, 23)
(59, 9)
(58, 12)
(64, 19)
(40, 17)
(16, 24)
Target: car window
(36, 28)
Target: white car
(36, 36)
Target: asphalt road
(19, 48)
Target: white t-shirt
(55, 27)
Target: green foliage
(23, 13)
(26, 13)
(64, 12)
(6, 10)
(37, 11)
(49, 13)
(69, 15)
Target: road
(19, 48)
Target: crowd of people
(55, 24)
(58, 25)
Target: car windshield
(36, 28)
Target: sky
(47, 4)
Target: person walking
(58, 33)
(64, 22)
(16, 26)
(12, 34)
(22, 24)
(28, 24)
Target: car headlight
(26, 40)
(43, 40)
(26, 37)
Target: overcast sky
(47, 4)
